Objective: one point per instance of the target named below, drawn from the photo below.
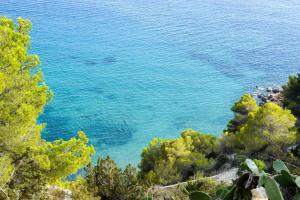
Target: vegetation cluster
(30, 165)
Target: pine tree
(23, 96)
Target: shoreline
(268, 94)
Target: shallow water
(128, 71)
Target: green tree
(268, 129)
(188, 154)
(108, 181)
(131, 184)
(151, 154)
(229, 143)
(241, 109)
(27, 158)
(203, 143)
(23, 94)
(291, 94)
(62, 158)
(28, 180)
(163, 173)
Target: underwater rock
(109, 60)
(90, 62)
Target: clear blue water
(128, 71)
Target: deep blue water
(127, 71)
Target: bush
(205, 184)
(109, 182)
(188, 154)
(260, 164)
(80, 189)
(164, 173)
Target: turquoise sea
(125, 71)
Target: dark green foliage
(291, 94)
(199, 196)
(28, 180)
(109, 182)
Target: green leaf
(252, 166)
(278, 166)
(297, 181)
(199, 196)
(230, 194)
(297, 197)
(272, 189)
(221, 193)
(262, 179)
(285, 179)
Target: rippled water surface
(125, 71)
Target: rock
(56, 192)
(264, 99)
(270, 96)
(260, 88)
(259, 194)
(68, 194)
(276, 90)
(227, 176)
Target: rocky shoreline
(268, 94)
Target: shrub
(164, 173)
(109, 182)
(188, 154)
(260, 164)
(205, 184)
(291, 94)
(80, 190)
